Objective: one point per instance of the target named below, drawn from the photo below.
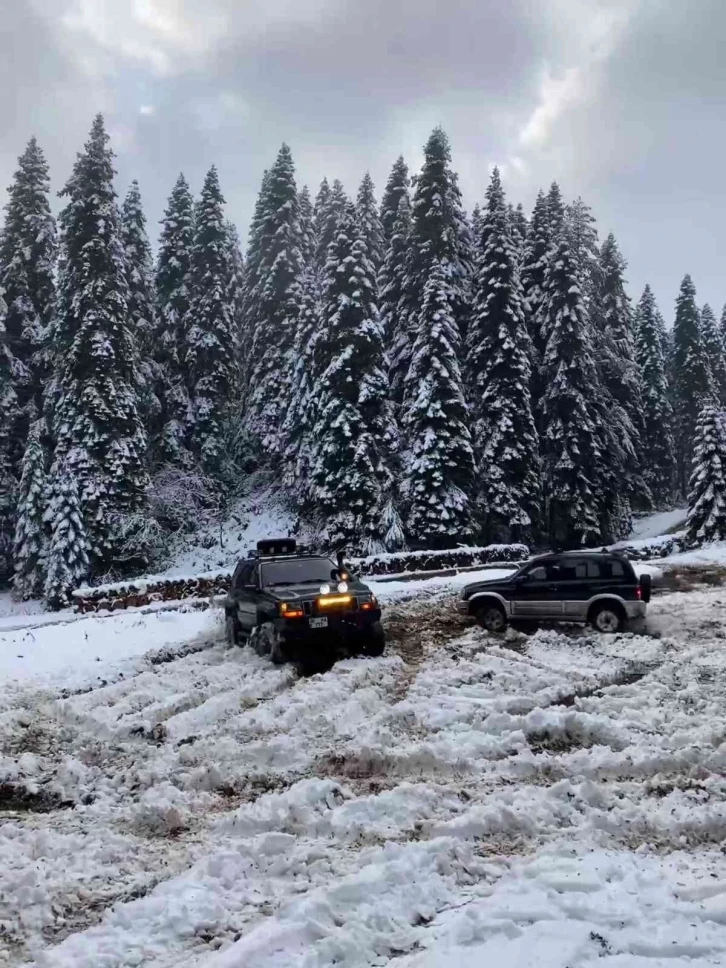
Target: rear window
(612, 568)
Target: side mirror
(523, 579)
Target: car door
(535, 595)
(246, 595)
(576, 580)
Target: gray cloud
(618, 99)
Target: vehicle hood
(482, 586)
(309, 591)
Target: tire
(492, 617)
(233, 632)
(607, 618)
(646, 587)
(374, 643)
(268, 643)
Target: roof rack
(281, 548)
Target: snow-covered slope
(465, 800)
(261, 515)
(654, 525)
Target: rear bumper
(462, 606)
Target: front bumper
(341, 625)
(462, 606)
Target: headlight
(343, 586)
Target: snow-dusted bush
(182, 500)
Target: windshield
(297, 571)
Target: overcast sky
(622, 101)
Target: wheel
(374, 643)
(233, 631)
(607, 618)
(267, 643)
(492, 617)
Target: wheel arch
(614, 601)
(479, 599)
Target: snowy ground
(659, 523)
(549, 801)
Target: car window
(574, 569)
(612, 569)
(243, 575)
(297, 571)
(537, 573)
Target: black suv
(295, 606)
(596, 587)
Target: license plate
(319, 623)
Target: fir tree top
(139, 267)
(307, 226)
(92, 331)
(439, 231)
(689, 353)
(396, 187)
(369, 221)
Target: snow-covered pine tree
(9, 417)
(67, 561)
(322, 200)
(715, 354)
(28, 249)
(581, 229)
(30, 544)
(520, 225)
(274, 306)
(723, 326)
(507, 485)
(571, 438)
(141, 308)
(622, 483)
(439, 232)
(352, 433)
(253, 262)
(300, 417)
(438, 458)
(692, 388)
(477, 224)
(172, 304)
(556, 212)
(658, 448)
(211, 330)
(707, 486)
(330, 206)
(308, 242)
(237, 279)
(396, 328)
(396, 187)
(370, 222)
(100, 436)
(534, 270)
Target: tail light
(639, 593)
